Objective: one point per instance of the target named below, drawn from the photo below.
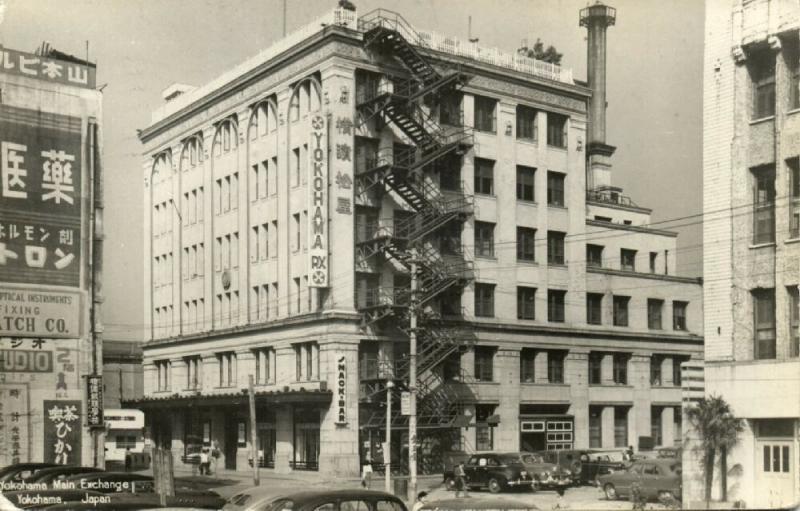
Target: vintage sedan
(497, 472)
(656, 478)
(16, 474)
(546, 476)
(260, 498)
(48, 476)
(487, 503)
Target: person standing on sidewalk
(461, 479)
(366, 474)
(204, 463)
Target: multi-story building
(751, 207)
(288, 202)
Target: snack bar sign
(41, 174)
(318, 203)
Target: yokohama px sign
(318, 203)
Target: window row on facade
(766, 204)
(765, 322)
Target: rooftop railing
(347, 18)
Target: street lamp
(387, 451)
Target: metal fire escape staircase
(403, 172)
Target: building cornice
(634, 228)
(640, 275)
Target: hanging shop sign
(94, 400)
(341, 390)
(318, 203)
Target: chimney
(597, 18)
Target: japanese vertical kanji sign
(318, 203)
(62, 432)
(14, 423)
(94, 393)
(40, 197)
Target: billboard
(41, 175)
(62, 432)
(45, 68)
(318, 203)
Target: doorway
(231, 439)
(775, 473)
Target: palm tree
(718, 430)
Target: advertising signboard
(21, 63)
(94, 399)
(62, 432)
(41, 171)
(318, 203)
(28, 313)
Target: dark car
(14, 474)
(656, 478)
(47, 476)
(497, 472)
(261, 498)
(37, 499)
(585, 464)
(546, 476)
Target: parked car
(16, 474)
(260, 498)
(669, 452)
(46, 476)
(496, 472)
(656, 478)
(546, 476)
(586, 464)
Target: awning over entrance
(321, 397)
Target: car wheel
(666, 495)
(450, 484)
(611, 492)
(495, 486)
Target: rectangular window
(764, 319)
(595, 427)
(555, 305)
(655, 425)
(484, 176)
(654, 313)
(264, 357)
(557, 130)
(296, 162)
(621, 310)
(193, 372)
(655, 370)
(555, 366)
(762, 74)
(263, 180)
(162, 373)
(484, 300)
(484, 433)
(653, 261)
(526, 302)
(307, 361)
(227, 368)
(763, 204)
(484, 363)
(485, 114)
(794, 198)
(676, 370)
(484, 239)
(620, 426)
(450, 111)
(791, 52)
(794, 321)
(526, 123)
(627, 259)
(594, 255)
(296, 228)
(595, 368)
(526, 244)
(274, 243)
(555, 189)
(679, 315)
(297, 295)
(368, 358)
(594, 308)
(234, 180)
(527, 365)
(555, 247)
(621, 368)
(525, 183)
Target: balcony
(612, 197)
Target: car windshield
(506, 460)
(531, 458)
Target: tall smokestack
(597, 18)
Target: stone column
(667, 426)
(639, 415)
(339, 453)
(210, 373)
(178, 378)
(607, 421)
(245, 366)
(576, 375)
(507, 432)
(284, 439)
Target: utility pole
(387, 452)
(412, 382)
(253, 433)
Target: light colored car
(262, 498)
(656, 478)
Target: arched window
(306, 97)
(192, 154)
(226, 137)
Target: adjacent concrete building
(288, 201)
(751, 231)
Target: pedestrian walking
(127, 459)
(422, 499)
(204, 462)
(366, 474)
(461, 479)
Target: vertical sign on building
(14, 422)
(318, 203)
(94, 399)
(62, 432)
(341, 390)
(40, 197)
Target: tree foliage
(539, 52)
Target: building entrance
(775, 473)
(231, 439)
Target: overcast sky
(142, 46)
